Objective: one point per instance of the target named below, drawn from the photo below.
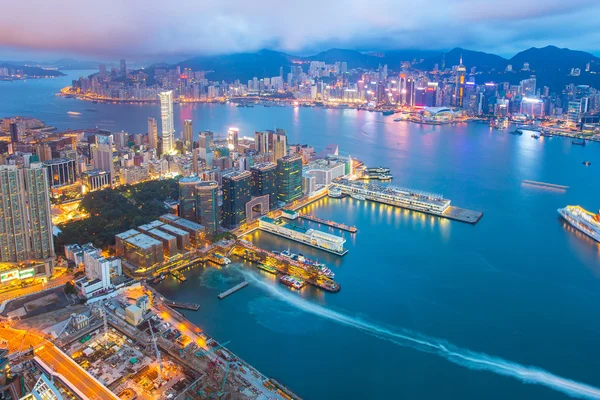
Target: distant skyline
(170, 31)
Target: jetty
(177, 304)
(234, 289)
(332, 224)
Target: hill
(32, 71)
(551, 58)
(483, 61)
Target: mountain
(553, 58)
(243, 66)
(355, 59)
(70, 63)
(30, 70)
(483, 61)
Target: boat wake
(463, 357)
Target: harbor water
(429, 308)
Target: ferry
(546, 134)
(73, 113)
(307, 261)
(535, 136)
(516, 132)
(358, 196)
(334, 192)
(579, 142)
(221, 259)
(582, 220)
(268, 268)
(292, 281)
(388, 112)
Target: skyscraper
(25, 224)
(207, 207)
(188, 135)
(279, 140)
(187, 197)
(152, 133)
(205, 141)
(103, 155)
(236, 193)
(459, 87)
(233, 138)
(289, 178)
(264, 177)
(123, 67)
(167, 127)
(261, 141)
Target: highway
(77, 378)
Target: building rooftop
(264, 166)
(189, 180)
(186, 223)
(161, 234)
(127, 234)
(151, 225)
(169, 217)
(143, 241)
(172, 229)
(238, 175)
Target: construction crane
(225, 378)
(158, 359)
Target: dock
(234, 289)
(462, 215)
(185, 306)
(333, 224)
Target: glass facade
(236, 193)
(187, 197)
(207, 208)
(264, 181)
(289, 178)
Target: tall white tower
(166, 116)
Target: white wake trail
(466, 358)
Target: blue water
(429, 308)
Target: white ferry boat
(582, 220)
(358, 196)
(334, 192)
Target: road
(76, 376)
(20, 292)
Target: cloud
(135, 28)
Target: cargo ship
(307, 261)
(292, 281)
(582, 220)
(268, 268)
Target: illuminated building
(167, 126)
(289, 178)
(532, 107)
(195, 230)
(279, 144)
(205, 142)
(528, 87)
(187, 197)
(271, 142)
(236, 193)
(103, 155)
(188, 135)
(95, 179)
(140, 250)
(25, 224)
(123, 67)
(233, 138)
(459, 88)
(574, 113)
(264, 181)
(207, 206)
(152, 133)
(61, 172)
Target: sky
(172, 30)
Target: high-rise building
(279, 139)
(17, 131)
(188, 135)
(187, 197)
(261, 142)
(205, 142)
(207, 206)
(236, 193)
(233, 138)
(167, 126)
(264, 177)
(61, 171)
(103, 155)
(459, 88)
(26, 226)
(123, 67)
(289, 178)
(152, 133)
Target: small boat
(546, 134)
(586, 163)
(268, 268)
(388, 112)
(535, 136)
(516, 132)
(578, 142)
(292, 281)
(73, 113)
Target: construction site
(132, 346)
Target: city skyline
(112, 30)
